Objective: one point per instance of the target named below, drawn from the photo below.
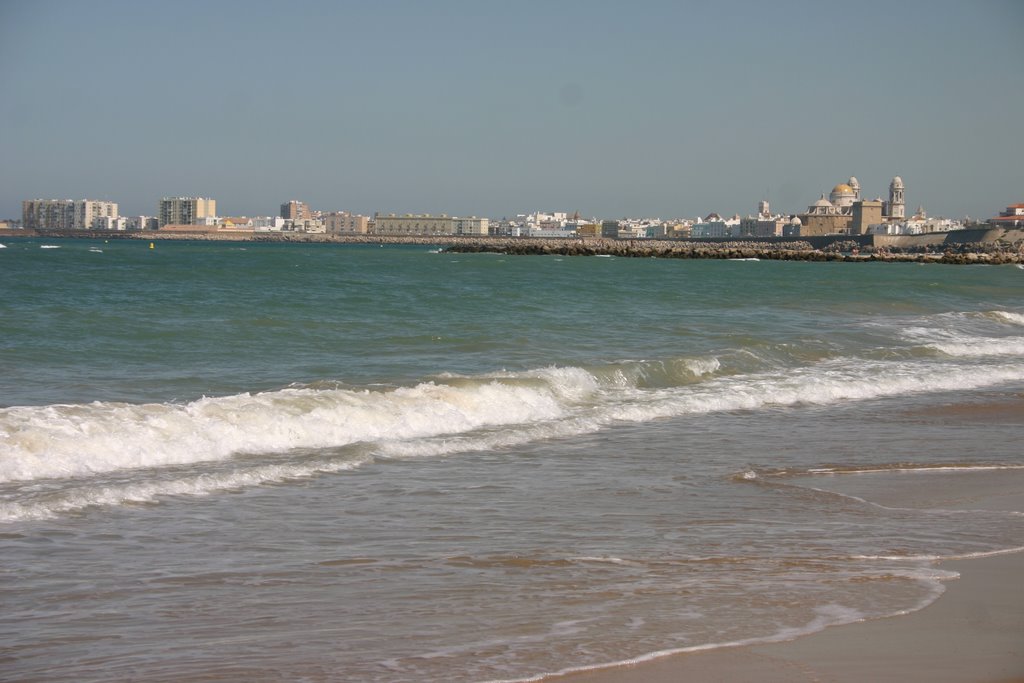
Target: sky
(495, 108)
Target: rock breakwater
(991, 254)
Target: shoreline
(972, 633)
(837, 248)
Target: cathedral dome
(842, 188)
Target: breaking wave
(107, 452)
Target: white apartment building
(269, 223)
(141, 223)
(65, 214)
(108, 223)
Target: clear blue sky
(495, 108)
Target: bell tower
(855, 186)
(897, 204)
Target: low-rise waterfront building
(345, 223)
(110, 223)
(188, 228)
(472, 226)
(588, 230)
(554, 232)
(141, 223)
(268, 223)
(609, 229)
(713, 225)
(764, 224)
(1013, 217)
(918, 224)
(236, 223)
(426, 225)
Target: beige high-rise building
(185, 210)
(89, 211)
(296, 211)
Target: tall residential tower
(186, 210)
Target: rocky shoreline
(961, 254)
(997, 252)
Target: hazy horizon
(656, 109)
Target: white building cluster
(918, 224)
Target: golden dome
(842, 188)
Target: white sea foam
(49, 246)
(1009, 317)
(77, 440)
(1009, 346)
(825, 616)
(954, 342)
(432, 418)
(148, 490)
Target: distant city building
(472, 226)
(757, 226)
(845, 212)
(345, 223)
(1013, 217)
(588, 230)
(236, 223)
(65, 214)
(609, 229)
(427, 225)
(119, 223)
(187, 211)
(304, 225)
(864, 214)
(713, 225)
(897, 205)
(764, 224)
(141, 223)
(296, 211)
(268, 223)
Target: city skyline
(659, 109)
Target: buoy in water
(150, 245)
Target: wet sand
(974, 633)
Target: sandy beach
(974, 633)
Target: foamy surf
(432, 418)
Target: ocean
(321, 462)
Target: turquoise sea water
(328, 462)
